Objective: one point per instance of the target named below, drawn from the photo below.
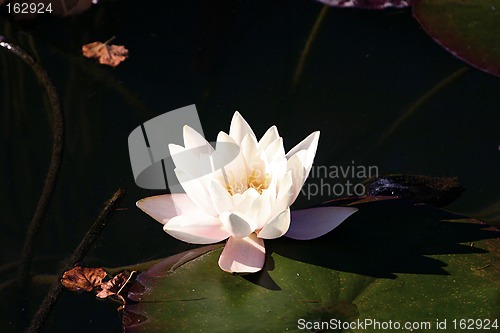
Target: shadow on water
(383, 239)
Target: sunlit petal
(243, 255)
(237, 224)
(195, 161)
(221, 198)
(297, 170)
(243, 201)
(229, 158)
(196, 229)
(239, 128)
(260, 209)
(315, 222)
(309, 144)
(270, 135)
(285, 195)
(275, 150)
(249, 148)
(164, 207)
(193, 139)
(277, 226)
(197, 190)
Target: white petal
(309, 144)
(237, 224)
(193, 139)
(270, 135)
(278, 169)
(229, 159)
(175, 149)
(226, 151)
(221, 198)
(311, 141)
(197, 190)
(249, 148)
(275, 150)
(315, 222)
(298, 174)
(243, 201)
(277, 227)
(285, 193)
(194, 161)
(243, 255)
(239, 128)
(164, 207)
(260, 210)
(198, 229)
(224, 137)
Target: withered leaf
(83, 278)
(106, 54)
(114, 286)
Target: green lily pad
(389, 261)
(468, 28)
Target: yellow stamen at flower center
(253, 181)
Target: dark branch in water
(55, 159)
(95, 230)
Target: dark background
(363, 71)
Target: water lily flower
(241, 191)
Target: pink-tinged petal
(270, 135)
(243, 255)
(277, 227)
(196, 229)
(193, 139)
(237, 224)
(164, 207)
(239, 128)
(315, 222)
(309, 144)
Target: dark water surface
(362, 73)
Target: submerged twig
(419, 102)
(55, 159)
(77, 256)
(309, 42)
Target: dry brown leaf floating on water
(114, 286)
(88, 278)
(106, 54)
(83, 278)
